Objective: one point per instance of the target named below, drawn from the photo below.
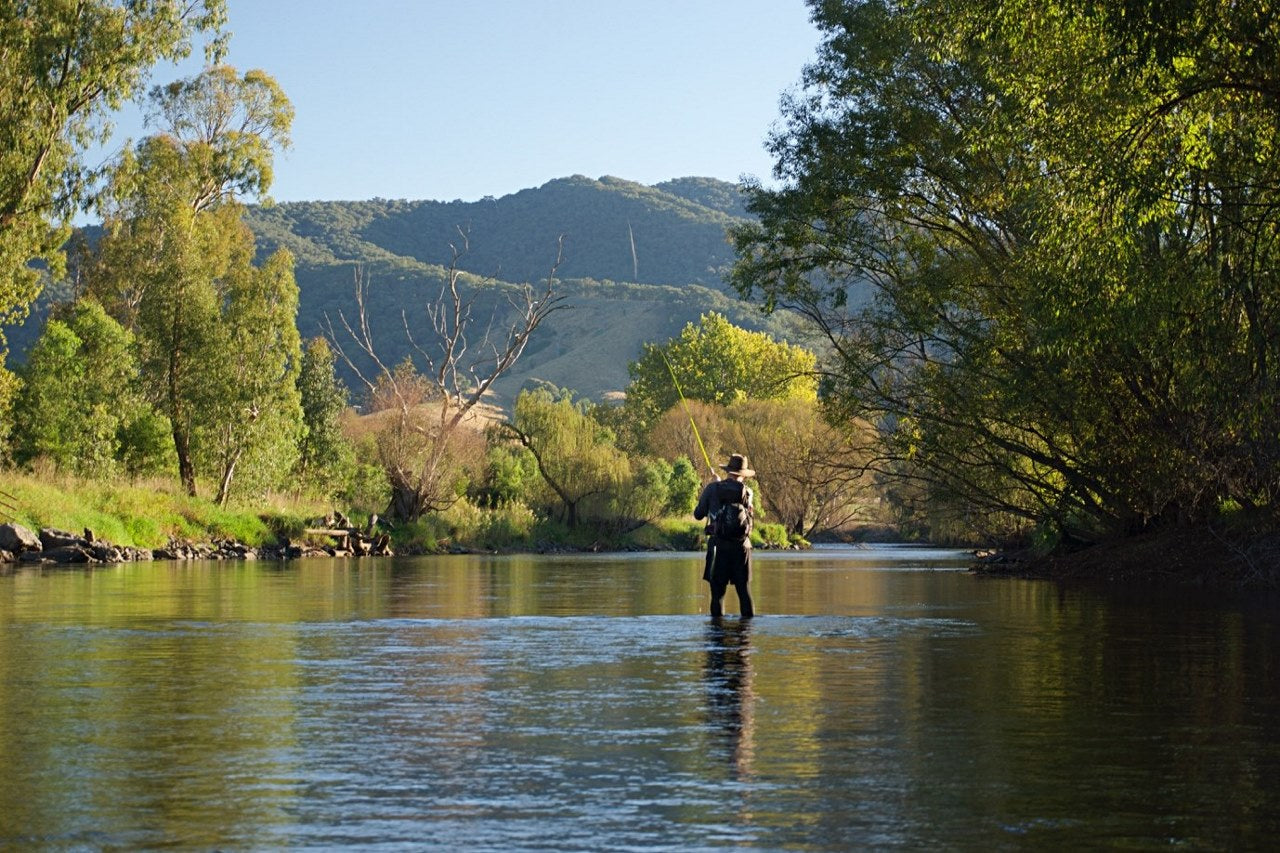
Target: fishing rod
(688, 412)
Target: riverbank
(73, 521)
(1185, 556)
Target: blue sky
(459, 99)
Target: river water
(884, 698)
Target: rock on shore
(20, 545)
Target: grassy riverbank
(148, 514)
(145, 514)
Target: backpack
(732, 519)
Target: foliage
(717, 362)
(672, 436)
(325, 456)
(81, 406)
(643, 495)
(253, 419)
(511, 476)
(217, 335)
(683, 488)
(65, 66)
(575, 455)
(1042, 240)
(770, 535)
(811, 473)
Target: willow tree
(1041, 239)
(176, 266)
(63, 67)
(575, 454)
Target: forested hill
(615, 230)
(617, 300)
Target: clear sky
(459, 99)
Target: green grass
(145, 514)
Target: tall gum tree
(176, 255)
(63, 67)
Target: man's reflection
(730, 698)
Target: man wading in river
(727, 506)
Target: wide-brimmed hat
(737, 464)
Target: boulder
(16, 538)
(69, 554)
(51, 538)
(105, 552)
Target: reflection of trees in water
(730, 697)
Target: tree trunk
(186, 469)
(406, 499)
(228, 471)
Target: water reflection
(730, 694)
(886, 699)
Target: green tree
(325, 456)
(81, 403)
(175, 262)
(683, 487)
(643, 494)
(254, 416)
(575, 455)
(511, 473)
(717, 362)
(65, 65)
(1040, 238)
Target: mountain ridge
(618, 297)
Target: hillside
(616, 300)
(677, 230)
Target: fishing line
(688, 412)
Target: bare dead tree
(419, 446)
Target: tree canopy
(1042, 240)
(65, 65)
(218, 336)
(717, 362)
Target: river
(884, 698)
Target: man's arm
(704, 502)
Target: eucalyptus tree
(63, 67)
(1041, 240)
(176, 265)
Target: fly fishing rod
(689, 412)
